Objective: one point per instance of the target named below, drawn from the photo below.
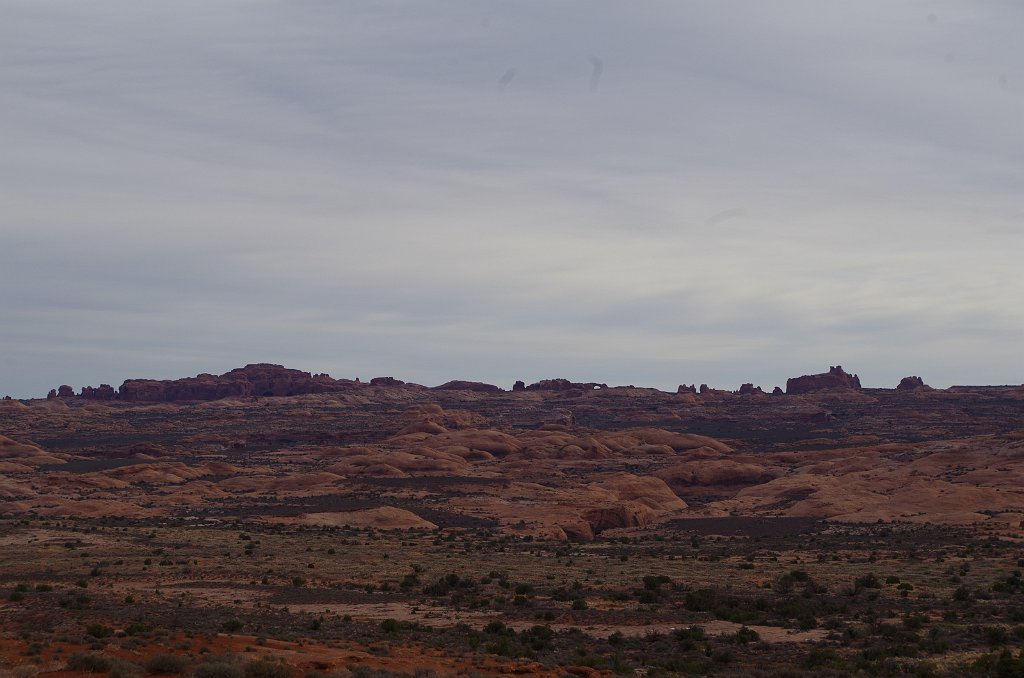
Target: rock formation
(835, 378)
(458, 385)
(261, 379)
(386, 381)
(911, 383)
(563, 385)
(101, 392)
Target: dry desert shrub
(218, 669)
(167, 664)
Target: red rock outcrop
(261, 379)
(563, 385)
(911, 383)
(101, 392)
(386, 381)
(835, 378)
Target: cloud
(751, 191)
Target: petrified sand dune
(198, 489)
(647, 491)
(10, 488)
(383, 518)
(497, 443)
(25, 453)
(91, 508)
(679, 442)
(715, 472)
(80, 482)
(422, 462)
(300, 482)
(952, 482)
(170, 473)
(545, 444)
(618, 500)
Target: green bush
(232, 626)
(99, 631)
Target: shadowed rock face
(262, 379)
(835, 378)
(458, 385)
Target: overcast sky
(646, 192)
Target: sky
(649, 193)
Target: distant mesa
(835, 378)
(458, 385)
(911, 383)
(260, 379)
(561, 385)
(269, 380)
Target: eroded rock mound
(911, 383)
(835, 378)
